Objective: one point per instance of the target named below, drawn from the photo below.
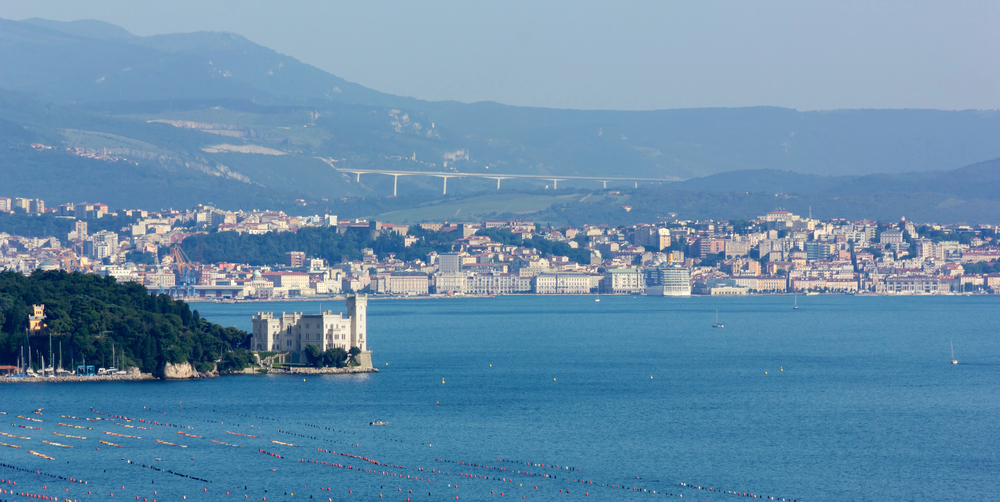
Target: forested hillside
(326, 243)
(86, 313)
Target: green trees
(314, 356)
(92, 316)
(544, 246)
(334, 356)
(327, 243)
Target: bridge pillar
(444, 190)
(498, 184)
(359, 177)
(605, 184)
(395, 178)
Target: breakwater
(67, 379)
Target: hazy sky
(611, 54)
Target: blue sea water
(846, 398)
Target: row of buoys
(536, 464)
(738, 493)
(168, 471)
(133, 426)
(227, 444)
(244, 435)
(311, 437)
(168, 443)
(188, 435)
(76, 426)
(67, 435)
(10, 445)
(271, 454)
(40, 473)
(13, 436)
(32, 495)
(243, 415)
(29, 418)
(121, 435)
(484, 466)
(471, 464)
(140, 420)
(26, 427)
(56, 444)
(42, 455)
(111, 444)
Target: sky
(622, 55)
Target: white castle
(292, 332)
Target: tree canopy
(87, 315)
(544, 246)
(326, 243)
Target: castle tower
(357, 310)
(35, 324)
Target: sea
(554, 398)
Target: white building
(293, 332)
(619, 281)
(669, 281)
(562, 284)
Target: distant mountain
(230, 120)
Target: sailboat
(717, 323)
(796, 307)
(598, 297)
(953, 360)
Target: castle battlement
(292, 332)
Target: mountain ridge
(166, 102)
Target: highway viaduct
(445, 175)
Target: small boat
(717, 323)
(796, 307)
(598, 298)
(378, 423)
(953, 360)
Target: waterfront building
(293, 332)
(562, 284)
(667, 280)
(718, 287)
(623, 281)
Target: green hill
(85, 314)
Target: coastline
(148, 377)
(460, 297)
(132, 377)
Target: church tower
(357, 310)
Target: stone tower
(357, 310)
